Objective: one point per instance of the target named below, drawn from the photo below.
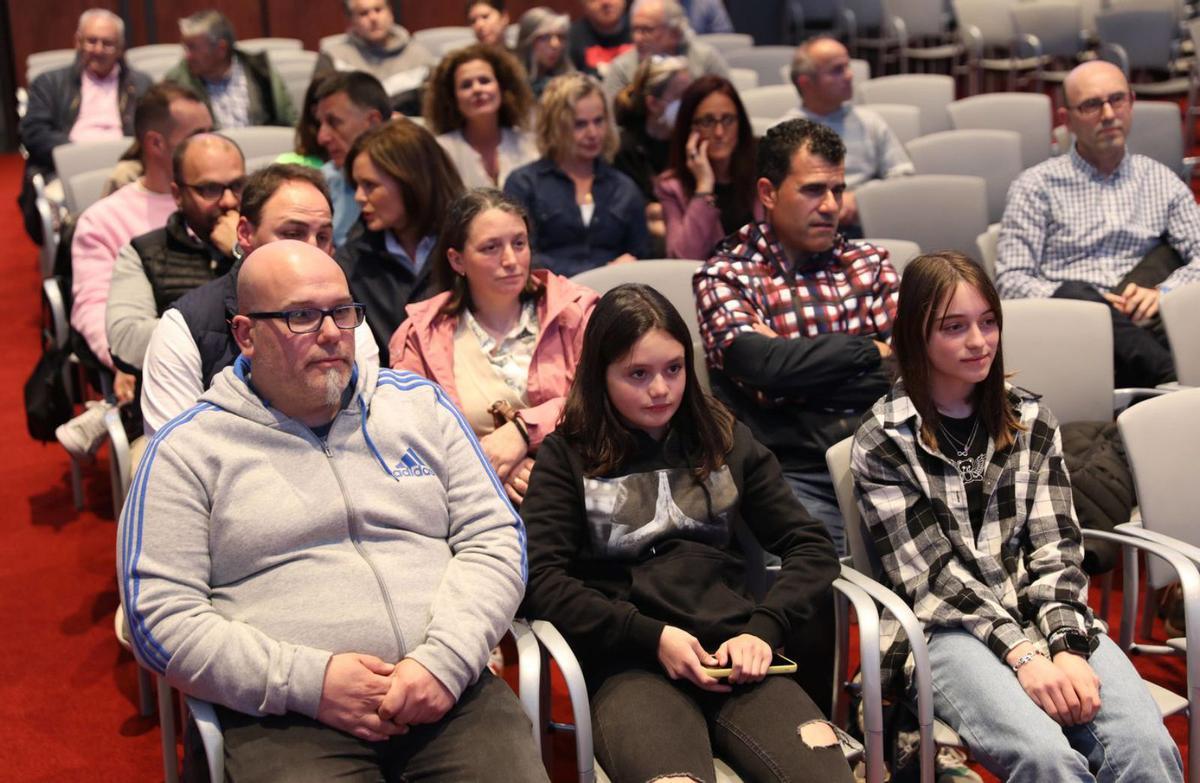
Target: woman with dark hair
(488, 19)
(500, 338)
(961, 481)
(478, 103)
(403, 183)
(308, 151)
(708, 193)
(633, 555)
(585, 213)
(542, 46)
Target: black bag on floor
(47, 404)
(1101, 486)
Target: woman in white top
(478, 103)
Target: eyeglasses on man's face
(306, 320)
(212, 191)
(1093, 106)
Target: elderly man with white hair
(91, 99)
(660, 27)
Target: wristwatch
(1072, 641)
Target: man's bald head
(284, 288)
(1098, 110)
(269, 273)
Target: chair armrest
(52, 290)
(1030, 42)
(1123, 398)
(872, 691)
(529, 677)
(119, 454)
(210, 734)
(915, 632)
(568, 664)
(972, 41)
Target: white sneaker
(83, 434)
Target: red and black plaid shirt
(852, 288)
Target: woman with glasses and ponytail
(708, 192)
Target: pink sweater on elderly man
(102, 230)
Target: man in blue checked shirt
(322, 550)
(1104, 225)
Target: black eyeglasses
(307, 320)
(707, 122)
(214, 190)
(1093, 106)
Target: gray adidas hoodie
(250, 551)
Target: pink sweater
(424, 344)
(102, 230)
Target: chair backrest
(328, 40)
(40, 62)
(1062, 349)
(743, 79)
(766, 61)
(292, 59)
(152, 50)
(155, 64)
(900, 251)
(862, 548)
(259, 162)
(727, 42)
(433, 38)
(903, 119)
(268, 44)
(931, 93)
(868, 15)
(990, 20)
(1162, 443)
(770, 102)
(1146, 36)
(987, 243)
(1157, 133)
(1180, 311)
(258, 140)
(85, 190)
(937, 211)
(994, 155)
(1056, 24)
(671, 277)
(922, 18)
(71, 160)
(1028, 114)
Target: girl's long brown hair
(620, 318)
(926, 288)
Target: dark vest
(176, 262)
(207, 311)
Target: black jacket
(611, 580)
(207, 311)
(175, 261)
(378, 280)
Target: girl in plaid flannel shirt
(962, 485)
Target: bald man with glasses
(1104, 225)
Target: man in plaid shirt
(796, 320)
(1103, 225)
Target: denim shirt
(561, 242)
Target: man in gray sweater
(324, 552)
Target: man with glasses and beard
(1104, 225)
(197, 245)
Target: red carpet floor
(67, 689)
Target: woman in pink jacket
(501, 339)
(709, 190)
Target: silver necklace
(969, 470)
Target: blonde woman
(585, 213)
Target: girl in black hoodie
(633, 512)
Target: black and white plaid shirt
(1022, 580)
(1065, 221)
